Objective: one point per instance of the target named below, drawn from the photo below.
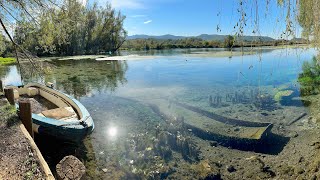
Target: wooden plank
(297, 119)
(210, 122)
(43, 164)
(220, 118)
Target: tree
(2, 45)
(228, 41)
(70, 29)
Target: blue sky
(190, 17)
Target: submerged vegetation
(79, 78)
(157, 143)
(278, 96)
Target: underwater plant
(278, 96)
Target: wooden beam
(26, 115)
(1, 86)
(8, 92)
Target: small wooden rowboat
(55, 113)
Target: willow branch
(17, 46)
(3, 7)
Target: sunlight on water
(112, 131)
(179, 116)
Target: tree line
(151, 43)
(228, 42)
(72, 29)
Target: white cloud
(135, 4)
(147, 22)
(139, 16)
(128, 4)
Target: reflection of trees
(34, 72)
(309, 79)
(80, 77)
(4, 70)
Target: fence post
(1, 86)
(8, 92)
(26, 115)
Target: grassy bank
(7, 61)
(18, 161)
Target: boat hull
(73, 130)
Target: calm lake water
(156, 118)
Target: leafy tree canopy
(67, 28)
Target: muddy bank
(18, 161)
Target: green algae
(278, 96)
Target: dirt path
(17, 160)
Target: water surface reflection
(166, 117)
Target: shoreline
(19, 158)
(216, 52)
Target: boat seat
(63, 113)
(16, 94)
(31, 91)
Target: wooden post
(1, 86)
(26, 115)
(8, 92)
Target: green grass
(8, 115)
(7, 61)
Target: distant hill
(167, 36)
(208, 37)
(299, 40)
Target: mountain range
(208, 37)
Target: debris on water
(299, 170)
(231, 169)
(204, 170)
(314, 143)
(294, 135)
(214, 143)
(297, 119)
(256, 158)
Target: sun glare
(112, 131)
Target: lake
(174, 114)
